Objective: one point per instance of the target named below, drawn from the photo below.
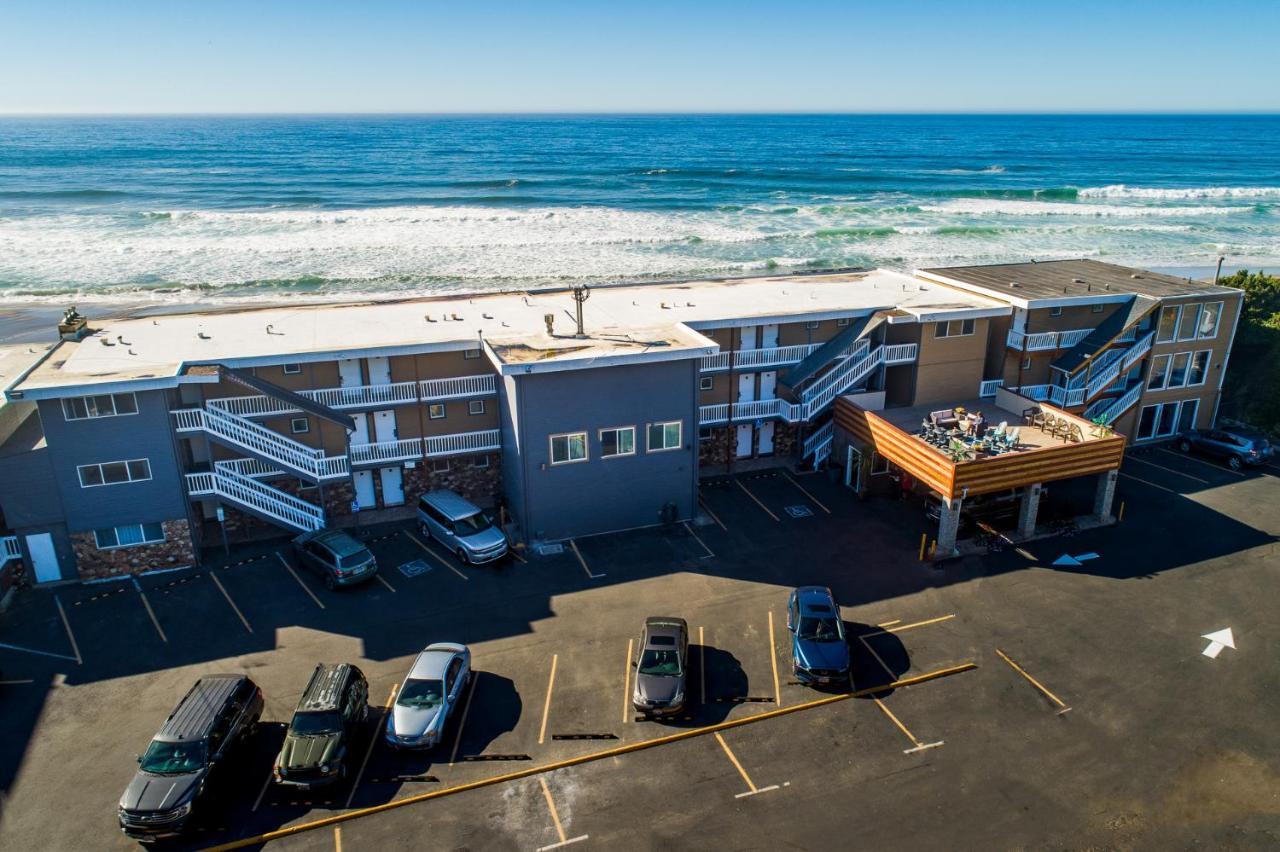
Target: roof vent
(1135, 275)
(1077, 280)
(1014, 284)
(73, 325)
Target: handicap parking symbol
(414, 568)
(799, 511)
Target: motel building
(132, 444)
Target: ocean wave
(1013, 207)
(1120, 190)
(61, 194)
(988, 170)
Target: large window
(953, 328)
(1187, 415)
(665, 436)
(1190, 323)
(620, 441)
(568, 448)
(128, 535)
(1178, 370)
(105, 405)
(1199, 368)
(1210, 317)
(1168, 324)
(113, 473)
(1159, 372)
(1163, 420)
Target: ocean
(194, 209)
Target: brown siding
(798, 334)
(950, 368)
(438, 365)
(720, 389)
(1073, 317)
(322, 374)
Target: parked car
(1237, 446)
(211, 721)
(338, 557)
(334, 704)
(819, 651)
(429, 696)
(663, 666)
(464, 529)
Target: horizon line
(1187, 112)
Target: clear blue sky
(551, 55)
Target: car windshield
(164, 758)
(315, 724)
(815, 629)
(358, 558)
(479, 522)
(662, 663)
(421, 693)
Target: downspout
(1235, 324)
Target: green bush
(1252, 390)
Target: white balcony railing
(819, 438)
(1066, 397)
(435, 389)
(250, 467)
(387, 452)
(246, 435)
(9, 549)
(900, 353)
(1040, 393)
(755, 359)
(362, 396)
(247, 493)
(1046, 340)
(988, 388)
(481, 441)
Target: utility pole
(581, 293)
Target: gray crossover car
(431, 692)
(210, 722)
(469, 533)
(819, 651)
(1237, 447)
(339, 558)
(663, 666)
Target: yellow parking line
(151, 612)
(806, 493)
(462, 721)
(605, 754)
(773, 658)
(756, 499)
(377, 732)
(337, 838)
(295, 576)
(626, 685)
(734, 760)
(714, 516)
(911, 626)
(1037, 684)
(67, 624)
(546, 706)
(384, 582)
(702, 668)
(234, 608)
(436, 556)
(555, 817)
(889, 623)
(578, 553)
(897, 721)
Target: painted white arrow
(1218, 640)
(1067, 559)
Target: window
(842, 322)
(1178, 370)
(128, 535)
(1168, 419)
(475, 406)
(1161, 421)
(1168, 324)
(1026, 363)
(292, 369)
(435, 411)
(1187, 415)
(618, 442)
(480, 462)
(568, 448)
(954, 328)
(1199, 368)
(706, 383)
(471, 354)
(439, 465)
(1209, 319)
(812, 325)
(1147, 422)
(299, 425)
(114, 473)
(1097, 309)
(1190, 322)
(704, 433)
(665, 436)
(1056, 312)
(1159, 372)
(104, 405)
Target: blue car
(820, 654)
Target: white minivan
(459, 525)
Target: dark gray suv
(339, 558)
(1237, 446)
(210, 722)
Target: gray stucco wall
(147, 434)
(600, 495)
(512, 463)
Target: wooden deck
(893, 435)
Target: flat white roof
(623, 324)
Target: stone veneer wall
(174, 552)
(715, 453)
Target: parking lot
(997, 701)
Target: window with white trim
(1169, 318)
(953, 328)
(1178, 370)
(1163, 419)
(292, 369)
(128, 535)
(1159, 372)
(1055, 311)
(102, 405)
(705, 433)
(707, 383)
(435, 411)
(665, 436)
(299, 425)
(618, 441)
(113, 473)
(1210, 317)
(568, 448)
(1026, 363)
(1189, 325)
(480, 462)
(813, 325)
(1199, 370)
(475, 406)
(843, 322)
(439, 465)
(470, 354)
(1097, 308)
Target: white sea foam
(1119, 190)
(1013, 207)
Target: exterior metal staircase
(271, 504)
(243, 434)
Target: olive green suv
(332, 708)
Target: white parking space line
(555, 820)
(806, 493)
(462, 721)
(713, 515)
(436, 556)
(9, 647)
(373, 740)
(15, 682)
(755, 499)
(265, 784)
(383, 581)
(1162, 467)
(710, 554)
(578, 553)
(295, 576)
(234, 608)
(151, 612)
(1218, 467)
(67, 625)
(1146, 482)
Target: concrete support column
(948, 527)
(1104, 495)
(1028, 509)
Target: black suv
(218, 714)
(336, 556)
(334, 704)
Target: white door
(392, 485)
(768, 384)
(43, 557)
(747, 337)
(769, 336)
(747, 387)
(365, 494)
(766, 437)
(743, 448)
(384, 426)
(361, 435)
(349, 373)
(379, 371)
